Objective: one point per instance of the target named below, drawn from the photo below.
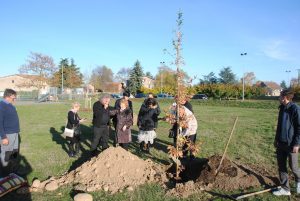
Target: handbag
(172, 133)
(69, 132)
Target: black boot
(71, 150)
(142, 146)
(94, 153)
(148, 148)
(77, 149)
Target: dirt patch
(113, 170)
(116, 169)
(200, 175)
(230, 176)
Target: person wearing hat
(287, 142)
(126, 96)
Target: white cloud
(278, 49)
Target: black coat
(189, 106)
(292, 123)
(101, 115)
(155, 116)
(146, 118)
(73, 123)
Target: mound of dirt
(200, 175)
(113, 170)
(231, 176)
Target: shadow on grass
(58, 138)
(84, 140)
(158, 144)
(217, 196)
(24, 169)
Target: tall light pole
(243, 96)
(62, 78)
(288, 72)
(298, 77)
(162, 63)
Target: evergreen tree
(135, 78)
(283, 84)
(148, 74)
(227, 76)
(72, 77)
(209, 79)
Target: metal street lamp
(243, 96)
(162, 63)
(62, 78)
(288, 72)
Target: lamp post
(62, 78)
(243, 96)
(288, 72)
(162, 63)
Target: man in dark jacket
(287, 141)
(101, 120)
(9, 133)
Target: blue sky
(117, 33)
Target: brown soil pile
(199, 175)
(231, 176)
(113, 170)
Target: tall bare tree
(41, 67)
(123, 74)
(249, 78)
(101, 75)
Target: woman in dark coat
(146, 123)
(74, 123)
(124, 123)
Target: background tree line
(225, 85)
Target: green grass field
(43, 150)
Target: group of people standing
(122, 115)
(122, 121)
(287, 139)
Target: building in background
(148, 82)
(21, 83)
(273, 89)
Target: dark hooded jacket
(292, 123)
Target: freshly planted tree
(175, 114)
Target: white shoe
(281, 191)
(298, 188)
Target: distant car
(163, 95)
(140, 95)
(115, 96)
(200, 96)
